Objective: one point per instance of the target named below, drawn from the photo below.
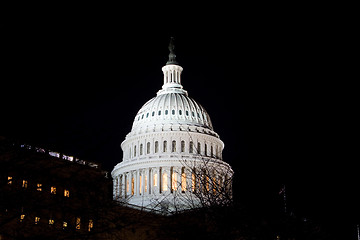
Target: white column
(122, 185)
(114, 187)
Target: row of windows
(65, 224)
(39, 186)
(192, 148)
(167, 112)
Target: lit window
(22, 216)
(132, 186)
(77, 225)
(53, 190)
(183, 181)
(65, 224)
(10, 180)
(140, 184)
(207, 183)
(24, 183)
(164, 183)
(145, 184)
(193, 182)
(39, 187)
(51, 221)
(155, 180)
(173, 146)
(91, 225)
(37, 219)
(127, 185)
(66, 193)
(174, 181)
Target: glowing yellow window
(37, 219)
(164, 183)
(145, 184)
(39, 187)
(22, 216)
(51, 221)
(140, 184)
(132, 186)
(64, 224)
(77, 225)
(174, 181)
(53, 190)
(66, 193)
(183, 182)
(24, 183)
(155, 180)
(91, 225)
(10, 180)
(193, 182)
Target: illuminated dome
(172, 152)
(172, 108)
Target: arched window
(173, 112)
(156, 146)
(134, 151)
(166, 112)
(173, 146)
(180, 112)
(165, 146)
(205, 150)
(141, 149)
(182, 146)
(148, 148)
(199, 148)
(191, 147)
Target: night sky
(275, 85)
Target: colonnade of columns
(146, 181)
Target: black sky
(275, 84)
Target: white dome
(172, 108)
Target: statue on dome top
(172, 55)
